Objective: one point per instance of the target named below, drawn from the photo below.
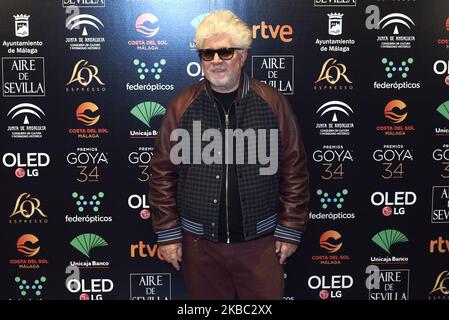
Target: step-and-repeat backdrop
(84, 86)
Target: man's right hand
(172, 253)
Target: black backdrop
(50, 160)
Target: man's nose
(217, 58)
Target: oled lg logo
(331, 287)
(27, 164)
(393, 203)
(140, 202)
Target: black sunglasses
(223, 53)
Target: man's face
(224, 75)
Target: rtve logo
(268, 31)
(144, 250)
(440, 245)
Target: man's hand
(172, 253)
(285, 250)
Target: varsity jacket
(186, 196)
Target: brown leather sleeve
(294, 184)
(163, 179)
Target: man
(232, 222)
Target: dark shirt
(233, 218)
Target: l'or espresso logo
(23, 77)
(333, 158)
(331, 242)
(86, 24)
(440, 290)
(395, 113)
(150, 286)
(444, 40)
(140, 202)
(387, 284)
(145, 250)
(85, 77)
(141, 159)
(335, 3)
(443, 110)
(385, 240)
(150, 114)
(88, 115)
(85, 243)
(441, 156)
(393, 203)
(337, 112)
(27, 210)
(25, 128)
(330, 286)
(396, 70)
(28, 247)
(84, 3)
(27, 164)
(147, 29)
(276, 71)
(393, 159)
(88, 209)
(398, 26)
(335, 28)
(88, 162)
(333, 76)
(440, 204)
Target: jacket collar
(242, 89)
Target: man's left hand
(285, 250)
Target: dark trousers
(249, 270)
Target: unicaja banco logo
(386, 238)
(443, 109)
(145, 111)
(84, 243)
(326, 200)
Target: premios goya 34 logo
(89, 162)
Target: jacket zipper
(228, 240)
(227, 175)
